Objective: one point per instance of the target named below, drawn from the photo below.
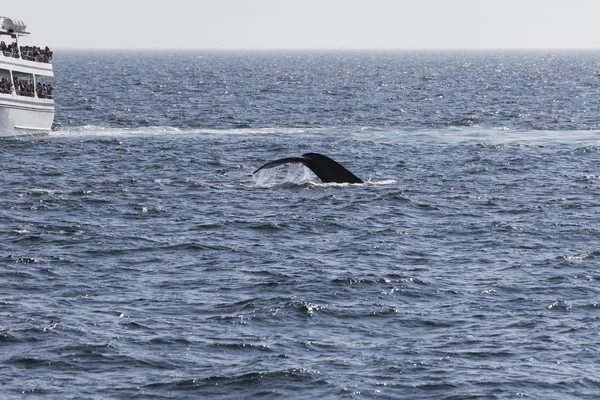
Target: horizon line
(334, 49)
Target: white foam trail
(493, 135)
(93, 130)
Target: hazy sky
(310, 24)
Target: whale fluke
(325, 168)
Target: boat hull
(24, 116)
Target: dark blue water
(140, 258)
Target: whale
(325, 168)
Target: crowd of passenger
(43, 90)
(34, 53)
(6, 86)
(11, 50)
(31, 53)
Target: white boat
(26, 90)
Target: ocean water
(140, 258)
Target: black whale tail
(328, 170)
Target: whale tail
(326, 169)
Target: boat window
(5, 83)
(23, 84)
(44, 87)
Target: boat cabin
(26, 87)
(24, 70)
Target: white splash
(291, 174)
